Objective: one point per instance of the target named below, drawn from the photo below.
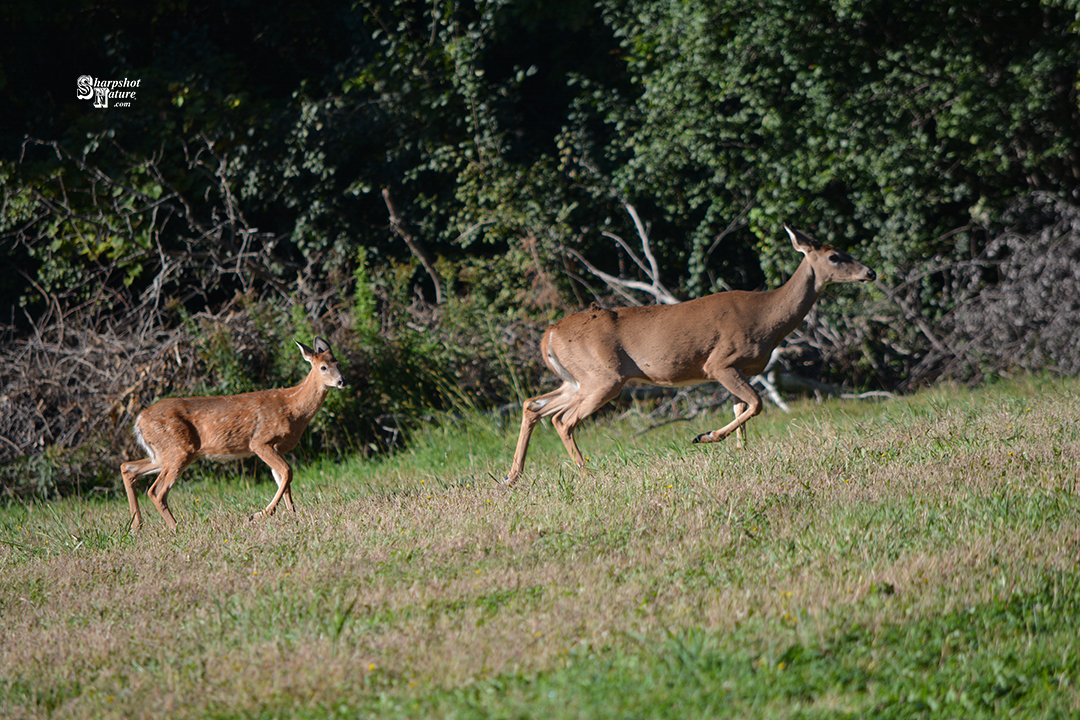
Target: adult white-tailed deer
(266, 423)
(725, 337)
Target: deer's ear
(801, 241)
(321, 346)
(307, 352)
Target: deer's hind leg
(532, 411)
(584, 404)
(130, 472)
(567, 406)
(159, 490)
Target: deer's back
(224, 426)
(665, 344)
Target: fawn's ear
(801, 241)
(321, 346)
(307, 352)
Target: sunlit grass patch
(908, 558)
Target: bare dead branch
(738, 222)
(651, 270)
(913, 316)
(617, 284)
(415, 247)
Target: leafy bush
(243, 200)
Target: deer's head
(830, 264)
(323, 362)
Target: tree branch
(655, 288)
(415, 247)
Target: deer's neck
(793, 300)
(307, 397)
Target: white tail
(726, 338)
(266, 423)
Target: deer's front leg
(282, 476)
(737, 384)
(740, 432)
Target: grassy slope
(911, 559)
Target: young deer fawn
(725, 337)
(266, 423)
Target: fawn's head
(830, 264)
(323, 362)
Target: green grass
(917, 558)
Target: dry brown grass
(841, 516)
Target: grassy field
(916, 558)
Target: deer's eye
(837, 259)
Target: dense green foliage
(895, 127)
(253, 160)
(891, 125)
